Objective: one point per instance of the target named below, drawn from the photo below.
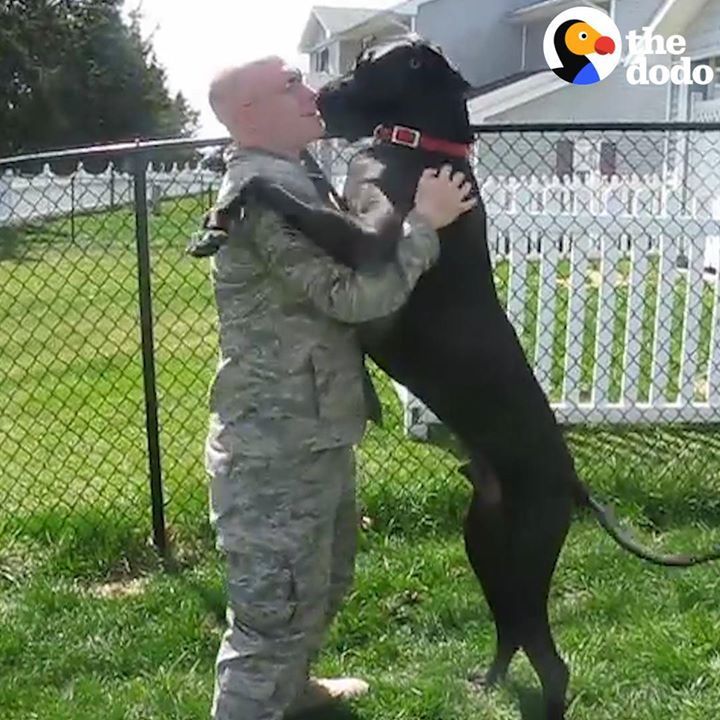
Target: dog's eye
(415, 63)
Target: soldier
(288, 400)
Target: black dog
(452, 344)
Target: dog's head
(391, 82)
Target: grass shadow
(336, 712)
(668, 475)
(214, 599)
(92, 546)
(530, 701)
(16, 242)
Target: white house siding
(334, 59)
(702, 150)
(613, 100)
(316, 32)
(349, 50)
(634, 14)
(703, 34)
(534, 56)
(629, 15)
(474, 35)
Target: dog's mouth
(352, 106)
(340, 116)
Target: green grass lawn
(90, 624)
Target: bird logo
(582, 46)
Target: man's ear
(245, 115)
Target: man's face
(285, 111)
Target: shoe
(319, 692)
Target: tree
(73, 72)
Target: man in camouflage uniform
(287, 402)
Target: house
(333, 37)
(497, 44)
(671, 212)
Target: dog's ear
(463, 85)
(460, 83)
(443, 67)
(367, 41)
(365, 44)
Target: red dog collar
(408, 137)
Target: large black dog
(452, 344)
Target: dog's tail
(606, 517)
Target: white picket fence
(612, 232)
(617, 236)
(26, 199)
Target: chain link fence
(606, 247)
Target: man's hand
(440, 198)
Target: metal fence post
(72, 206)
(148, 350)
(112, 186)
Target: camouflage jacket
(291, 372)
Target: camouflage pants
(287, 526)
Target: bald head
(234, 88)
(266, 104)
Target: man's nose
(310, 94)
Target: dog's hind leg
(542, 528)
(506, 647)
(486, 548)
(540, 647)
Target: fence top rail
(147, 147)
(126, 149)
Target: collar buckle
(405, 136)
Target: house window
(564, 152)
(322, 61)
(608, 158)
(584, 157)
(674, 102)
(711, 91)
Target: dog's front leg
(356, 242)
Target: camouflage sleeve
(342, 293)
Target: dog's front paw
(207, 242)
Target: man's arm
(343, 293)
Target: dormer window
(322, 61)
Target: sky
(195, 38)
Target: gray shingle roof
(338, 19)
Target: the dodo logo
(582, 45)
